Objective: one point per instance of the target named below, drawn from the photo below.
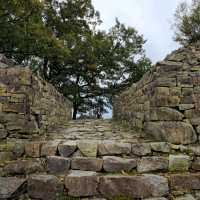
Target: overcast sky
(152, 18)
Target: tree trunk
(75, 111)
(45, 68)
(98, 116)
(75, 104)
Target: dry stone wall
(28, 104)
(96, 169)
(165, 103)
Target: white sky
(152, 18)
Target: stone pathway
(94, 130)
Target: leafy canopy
(187, 23)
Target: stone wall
(28, 104)
(97, 169)
(165, 103)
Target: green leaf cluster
(187, 23)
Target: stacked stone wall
(100, 169)
(165, 102)
(28, 104)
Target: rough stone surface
(117, 164)
(185, 197)
(66, 149)
(196, 164)
(50, 148)
(56, 164)
(173, 132)
(144, 186)
(3, 133)
(18, 150)
(149, 164)
(179, 162)
(28, 104)
(165, 102)
(21, 167)
(197, 195)
(160, 147)
(33, 149)
(141, 149)
(81, 183)
(44, 187)
(165, 114)
(87, 148)
(11, 187)
(195, 149)
(113, 148)
(87, 164)
(5, 156)
(185, 182)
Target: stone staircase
(92, 129)
(97, 159)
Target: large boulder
(179, 163)
(33, 149)
(11, 187)
(50, 148)
(87, 164)
(185, 182)
(154, 163)
(88, 148)
(141, 149)
(165, 114)
(23, 167)
(82, 183)
(117, 164)
(133, 186)
(67, 148)
(173, 132)
(109, 148)
(44, 187)
(57, 164)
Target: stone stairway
(97, 159)
(93, 129)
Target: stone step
(100, 168)
(82, 184)
(90, 129)
(98, 156)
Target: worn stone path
(94, 130)
(97, 159)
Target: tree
(101, 65)
(187, 23)
(24, 35)
(126, 57)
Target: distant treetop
(187, 23)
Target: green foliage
(23, 34)
(187, 23)
(60, 39)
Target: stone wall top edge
(9, 66)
